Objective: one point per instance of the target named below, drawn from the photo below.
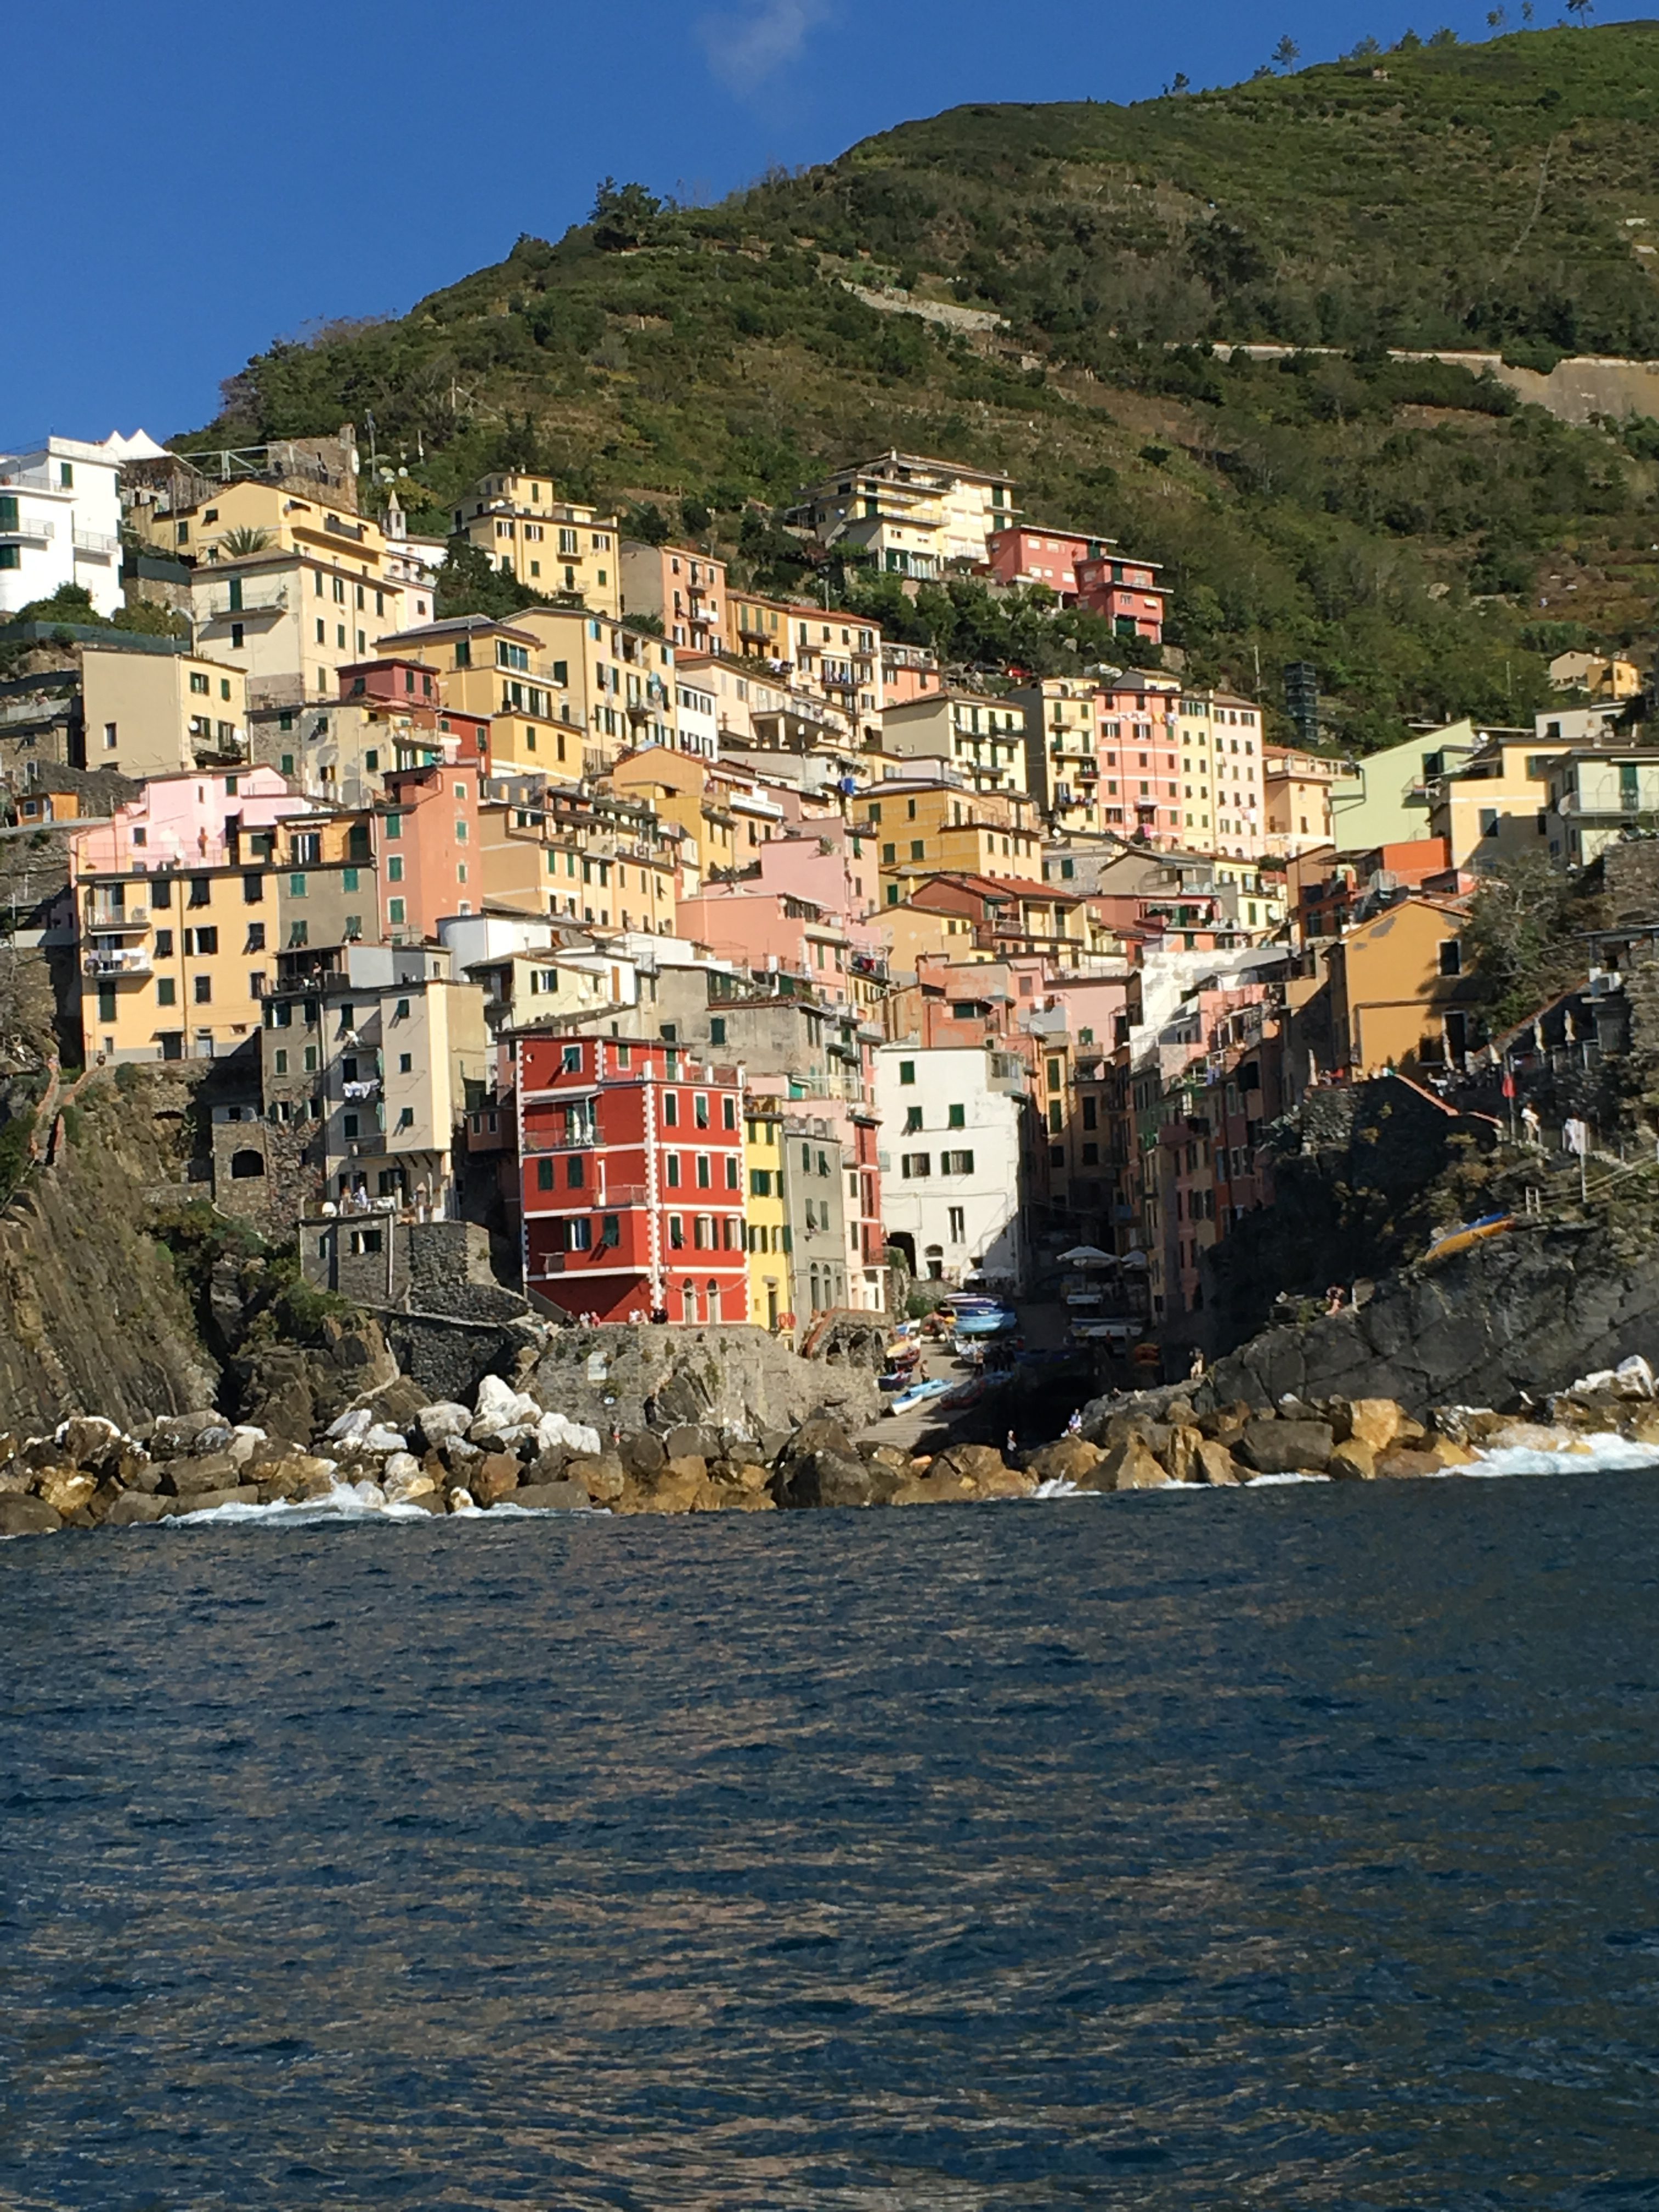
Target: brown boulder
(1353, 1461)
(641, 1453)
(28, 1516)
(979, 1462)
(1227, 1424)
(209, 1501)
(1286, 1447)
(1131, 1465)
(603, 1478)
(1216, 1465)
(65, 1489)
(213, 1471)
(551, 1498)
(495, 1474)
(1185, 1457)
(1067, 1461)
(132, 1510)
(685, 1465)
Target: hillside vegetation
(1410, 527)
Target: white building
(60, 519)
(952, 1117)
(698, 719)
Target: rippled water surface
(1286, 1848)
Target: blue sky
(194, 180)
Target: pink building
(1138, 752)
(908, 672)
(187, 821)
(1023, 554)
(778, 932)
(829, 864)
(430, 863)
(1124, 592)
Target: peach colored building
(431, 863)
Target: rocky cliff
(1527, 1313)
(92, 1314)
(739, 1379)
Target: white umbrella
(1086, 1256)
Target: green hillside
(1397, 523)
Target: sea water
(1287, 1847)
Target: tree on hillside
(468, 585)
(624, 215)
(1580, 9)
(1525, 936)
(1286, 52)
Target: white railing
(132, 962)
(95, 541)
(29, 526)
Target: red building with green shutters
(630, 1163)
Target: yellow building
(290, 590)
(1402, 993)
(913, 932)
(918, 828)
(1601, 676)
(1297, 792)
(982, 737)
(609, 866)
(155, 713)
(764, 1212)
(522, 526)
(1495, 806)
(182, 903)
(502, 671)
(912, 515)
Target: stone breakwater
(507, 1454)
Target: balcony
(109, 963)
(29, 530)
(582, 1140)
(231, 609)
(101, 919)
(96, 541)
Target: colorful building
(631, 1158)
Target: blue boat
(921, 1394)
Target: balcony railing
(96, 541)
(1614, 805)
(32, 528)
(103, 918)
(272, 603)
(583, 1140)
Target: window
(578, 1235)
(957, 1118)
(406, 1063)
(164, 945)
(350, 1125)
(296, 886)
(280, 1056)
(1451, 955)
(394, 868)
(544, 1175)
(198, 684)
(575, 1168)
(166, 990)
(394, 825)
(677, 1231)
(717, 1029)
(728, 1112)
(201, 940)
(958, 1224)
(956, 1164)
(255, 938)
(699, 1109)
(610, 1231)
(705, 1172)
(570, 1060)
(394, 910)
(673, 1170)
(299, 932)
(760, 1183)
(670, 1109)
(907, 1071)
(201, 890)
(202, 990)
(915, 1163)
(732, 1182)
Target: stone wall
(740, 1379)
